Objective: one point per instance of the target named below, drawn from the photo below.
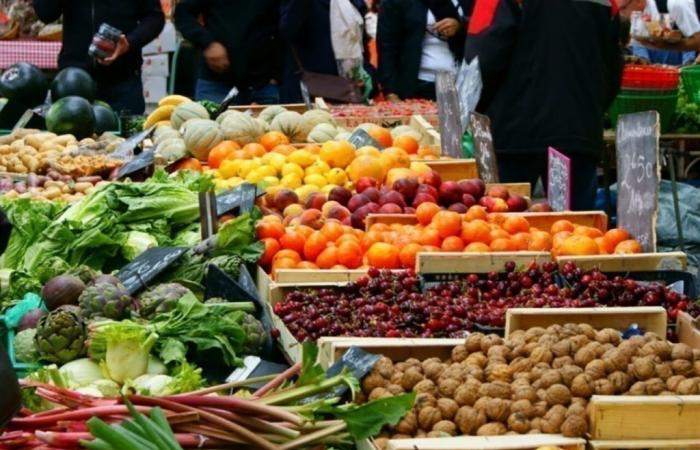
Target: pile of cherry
(391, 304)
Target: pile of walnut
(536, 381)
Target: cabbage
(81, 372)
(136, 243)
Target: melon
(322, 132)
(71, 115)
(314, 117)
(268, 114)
(165, 135)
(289, 124)
(201, 135)
(105, 118)
(241, 128)
(24, 85)
(73, 81)
(187, 111)
(172, 149)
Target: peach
(338, 213)
(498, 192)
(392, 197)
(364, 183)
(406, 187)
(516, 203)
(315, 201)
(450, 192)
(372, 194)
(357, 201)
(340, 194)
(474, 186)
(423, 198)
(431, 178)
(541, 206)
(284, 198)
(312, 218)
(390, 208)
(327, 207)
(293, 210)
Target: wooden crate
(651, 318)
(687, 330)
(262, 283)
(644, 444)
(453, 169)
(520, 442)
(292, 276)
(464, 263)
(631, 263)
(644, 417)
(382, 121)
(397, 349)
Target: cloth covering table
(43, 54)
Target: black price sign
(148, 265)
(448, 114)
(360, 138)
(242, 199)
(480, 127)
(638, 174)
(558, 180)
(126, 148)
(142, 161)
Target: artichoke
(85, 273)
(111, 301)
(60, 336)
(160, 299)
(254, 334)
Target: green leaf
(311, 372)
(367, 420)
(172, 350)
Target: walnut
(425, 386)
(480, 404)
(615, 360)
(433, 370)
(497, 389)
(682, 351)
(554, 329)
(520, 364)
(696, 354)
(696, 368)
(396, 378)
(579, 401)
(539, 370)
(454, 371)
(582, 386)
(655, 386)
(643, 368)
(379, 392)
(499, 371)
(420, 434)
(384, 367)
(498, 409)
(568, 373)
(579, 341)
(428, 416)
(603, 387)
(475, 372)
(395, 389)
(525, 393)
(651, 337)
(498, 352)
(562, 361)
(448, 408)
(682, 367)
(491, 429)
(596, 369)
(540, 408)
(574, 426)
(576, 409)
(445, 426)
(542, 394)
(688, 387)
(468, 419)
(553, 420)
(608, 336)
(447, 387)
(476, 359)
(466, 395)
(534, 333)
(673, 382)
(490, 340)
(519, 423)
(372, 381)
(411, 377)
(408, 425)
(459, 353)
(524, 376)
(423, 400)
(558, 394)
(664, 370)
(413, 362)
(662, 349)
(585, 355)
(541, 355)
(473, 342)
(638, 388)
(523, 407)
(381, 443)
(563, 348)
(620, 381)
(536, 424)
(666, 393)
(548, 378)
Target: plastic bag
(13, 316)
(469, 86)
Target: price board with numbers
(480, 128)
(148, 265)
(448, 113)
(558, 180)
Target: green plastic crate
(627, 103)
(7, 337)
(691, 82)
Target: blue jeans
(123, 96)
(216, 91)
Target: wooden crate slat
(520, 442)
(687, 332)
(453, 169)
(649, 318)
(454, 262)
(283, 276)
(641, 444)
(631, 263)
(397, 349)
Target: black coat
(550, 71)
(400, 33)
(248, 30)
(140, 20)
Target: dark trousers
(426, 90)
(125, 97)
(528, 168)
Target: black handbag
(329, 87)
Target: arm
(186, 14)
(293, 14)
(150, 25)
(48, 10)
(388, 45)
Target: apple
(357, 219)
(340, 194)
(498, 205)
(338, 213)
(356, 201)
(428, 189)
(372, 194)
(484, 201)
(364, 183)
(516, 203)
(432, 178)
(540, 206)
(390, 208)
(450, 192)
(347, 221)
(392, 197)
(458, 208)
(373, 207)
(498, 192)
(315, 201)
(475, 187)
(328, 205)
(468, 200)
(284, 198)
(406, 187)
(423, 198)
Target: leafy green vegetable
(47, 374)
(123, 348)
(136, 243)
(211, 107)
(186, 378)
(367, 420)
(311, 371)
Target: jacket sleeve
(492, 35)
(293, 15)
(151, 22)
(614, 62)
(186, 17)
(48, 10)
(389, 45)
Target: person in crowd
(550, 70)
(118, 76)
(307, 30)
(239, 45)
(416, 39)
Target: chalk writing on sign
(558, 180)
(448, 114)
(480, 127)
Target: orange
(346, 238)
(430, 236)
(307, 265)
(499, 233)
(588, 231)
(312, 148)
(337, 153)
(314, 245)
(614, 236)
(222, 150)
(521, 240)
(475, 212)
(503, 245)
(381, 135)
(603, 246)
(495, 218)
(426, 152)
(540, 241)
(188, 164)
(283, 263)
(627, 247)
(394, 157)
(332, 229)
(561, 225)
(366, 166)
(408, 255)
(370, 238)
(516, 224)
(407, 143)
(339, 267)
(240, 154)
(292, 240)
(304, 230)
(284, 149)
(448, 223)
(271, 248)
(559, 238)
(476, 231)
(477, 247)
(269, 229)
(381, 227)
(272, 139)
(383, 256)
(287, 254)
(425, 212)
(350, 254)
(578, 245)
(452, 244)
(328, 257)
(255, 149)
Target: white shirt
(686, 17)
(436, 55)
(652, 10)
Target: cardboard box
(164, 43)
(156, 65)
(154, 88)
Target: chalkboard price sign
(558, 181)
(142, 161)
(448, 114)
(638, 174)
(480, 128)
(148, 265)
(126, 148)
(241, 199)
(360, 138)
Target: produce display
(20, 20)
(391, 304)
(536, 381)
(386, 109)
(52, 187)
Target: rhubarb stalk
(278, 380)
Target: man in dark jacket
(239, 44)
(118, 76)
(550, 71)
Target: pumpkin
(241, 128)
(289, 124)
(323, 132)
(312, 118)
(171, 149)
(268, 114)
(187, 111)
(201, 135)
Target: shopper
(118, 76)
(240, 48)
(417, 39)
(550, 70)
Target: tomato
(188, 164)
(223, 150)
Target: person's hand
(217, 57)
(393, 98)
(447, 27)
(122, 47)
